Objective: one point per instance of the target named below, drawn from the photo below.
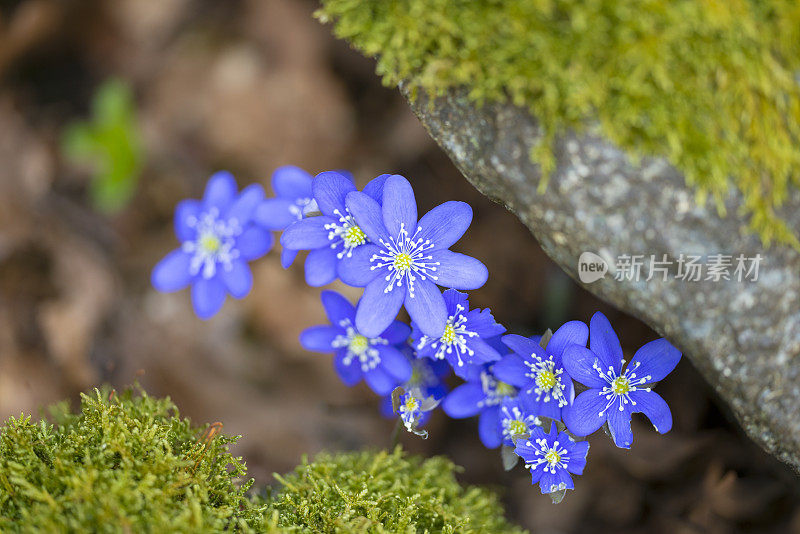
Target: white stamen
(213, 245)
(619, 388)
(452, 339)
(303, 206)
(406, 258)
(553, 458)
(347, 232)
(358, 346)
(547, 381)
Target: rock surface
(744, 336)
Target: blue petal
(355, 270)
(524, 346)
(274, 213)
(330, 190)
(484, 353)
(245, 205)
(470, 372)
(172, 272)
(619, 424)
(446, 223)
(349, 374)
(376, 309)
(459, 271)
(238, 280)
(319, 338)
(539, 407)
(321, 267)
(399, 206)
(337, 307)
(464, 401)
(572, 332)
(578, 362)
(254, 243)
(657, 359)
(512, 370)
(425, 307)
(184, 211)
(605, 343)
(453, 298)
(220, 191)
(577, 454)
(375, 187)
(307, 234)
(551, 482)
(528, 452)
(291, 182)
(397, 333)
(347, 174)
(208, 295)
(489, 428)
(583, 417)
(482, 323)
(655, 408)
(536, 473)
(380, 381)
(287, 257)
(385, 407)
(368, 215)
(394, 363)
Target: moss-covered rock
(130, 463)
(711, 85)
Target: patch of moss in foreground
(129, 463)
(710, 85)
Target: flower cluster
(534, 397)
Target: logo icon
(591, 267)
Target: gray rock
(743, 336)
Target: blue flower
(551, 457)
(463, 339)
(427, 376)
(483, 396)
(414, 408)
(545, 388)
(407, 258)
(515, 421)
(376, 359)
(334, 236)
(218, 239)
(293, 201)
(614, 394)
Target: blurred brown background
(248, 85)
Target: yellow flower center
(210, 243)
(621, 385)
(449, 334)
(504, 390)
(545, 380)
(517, 427)
(359, 344)
(411, 403)
(552, 457)
(402, 262)
(354, 236)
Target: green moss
(129, 463)
(382, 493)
(710, 84)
